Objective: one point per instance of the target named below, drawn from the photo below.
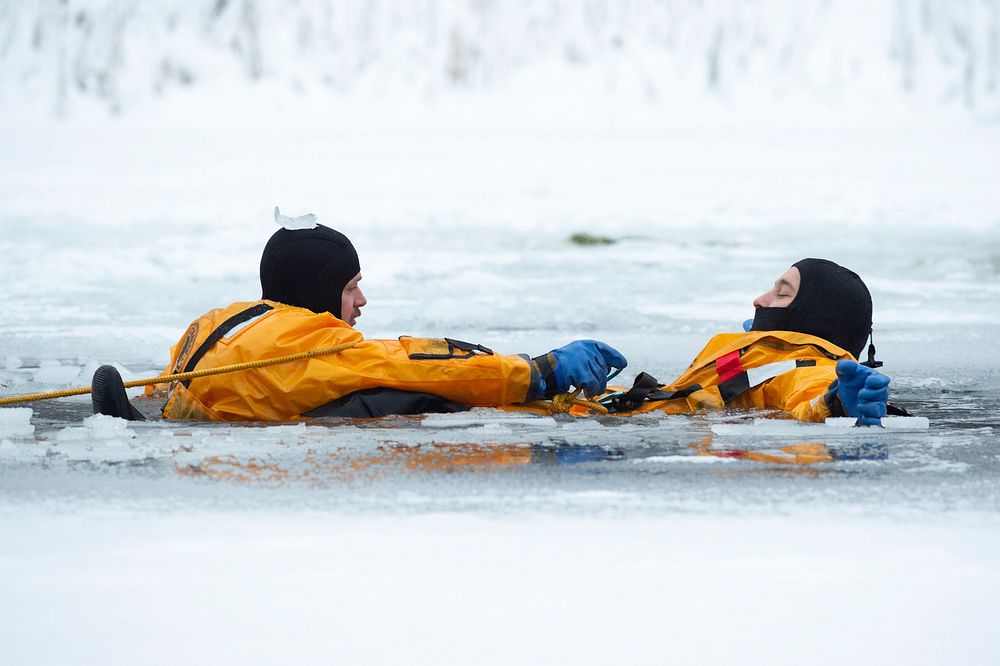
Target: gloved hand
(747, 325)
(863, 392)
(583, 364)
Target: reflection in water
(346, 465)
(805, 453)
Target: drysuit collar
(308, 268)
(832, 303)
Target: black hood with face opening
(832, 303)
(308, 268)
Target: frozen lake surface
(485, 537)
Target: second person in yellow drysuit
(798, 356)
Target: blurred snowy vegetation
(56, 55)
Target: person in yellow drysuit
(798, 355)
(311, 299)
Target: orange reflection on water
(806, 453)
(344, 465)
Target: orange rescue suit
(475, 377)
(779, 370)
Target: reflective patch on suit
(762, 373)
(437, 349)
(186, 346)
(751, 377)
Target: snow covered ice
(15, 422)
(462, 156)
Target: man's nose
(362, 301)
(763, 301)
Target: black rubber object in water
(107, 393)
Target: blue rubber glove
(747, 325)
(863, 392)
(584, 364)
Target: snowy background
(682, 56)
(461, 145)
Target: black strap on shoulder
(221, 331)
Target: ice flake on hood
(307, 221)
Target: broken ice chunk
(15, 422)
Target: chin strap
(871, 362)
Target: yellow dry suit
(779, 370)
(434, 370)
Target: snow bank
(680, 57)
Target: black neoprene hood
(308, 268)
(832, 303)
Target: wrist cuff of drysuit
(544, 367)
(832, 400)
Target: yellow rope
(563, 402)
(30, 397)
(560, 404)
(183, 376)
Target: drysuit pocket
(437, 349)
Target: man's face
(352, 300)
(783, 292)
